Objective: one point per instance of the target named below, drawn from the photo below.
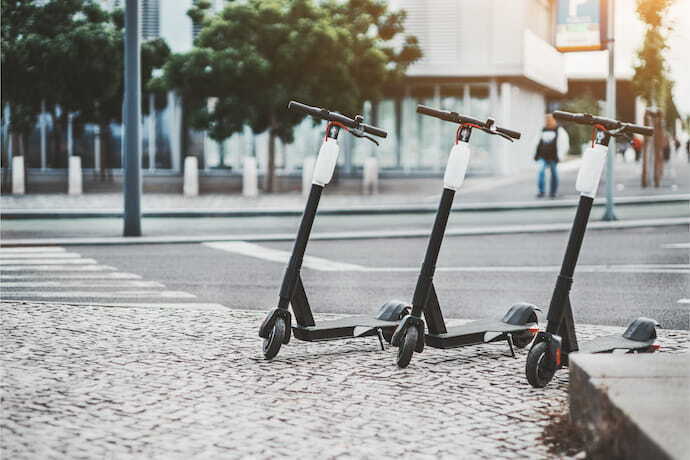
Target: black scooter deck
(473, 332)
(342, 328)
(609, 343)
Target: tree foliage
(579, 134)
(256, 55)
(650, 80)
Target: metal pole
(132, 119)
(610, 112)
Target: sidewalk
(514, 192)
(98, 382)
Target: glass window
(479, 108)
(387, 150)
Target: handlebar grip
(509, 132)
(567, 116)
(442, 114)
(294, 105)
(639, 129)
(373, 130)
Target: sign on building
(580, 25)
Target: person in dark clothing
(553, 145)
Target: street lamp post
(132, 122)
(610, 111)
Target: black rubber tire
(537, 375)
(407, 347)
(522, 339)
(272, 344)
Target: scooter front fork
(407, 322)
(553, 358)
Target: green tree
(650, 80)
(256, 55)
(586, 103)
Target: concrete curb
(631, 406)
(489, 230)
(341, 211)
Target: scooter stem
(426, 276)
(287, 289)
(565, 277)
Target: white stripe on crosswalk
(82, 284)
(683, 300)
(67, 276)
(39, 255)
(98, 295)
(188, 305)
(47, 262)
(32, 249)
(676, 246)
(55, 268)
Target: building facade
(490, 58)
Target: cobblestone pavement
(102, 382)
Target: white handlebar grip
(456, 168)
(588, 177)
(325, 162)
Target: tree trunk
(269, 179)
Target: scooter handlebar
(454, 117)
(337, 117)
(608, 123)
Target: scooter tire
(537, 374)
(271, 345)
(407, 347)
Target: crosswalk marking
(82, 284)
(676, 246)
(39, 255)
(47, 262)
(55, 268)
(683, 300)
(98, 294)
(67, 276)
(54, 274)
(32, 249)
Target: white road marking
(676, 246)
(277, 255)
(55, 268)
(47, 262)
(115, 283)
(683, 300)
(189, 305)
(39, 255)
(31, 249)
(94, 295)
(77, 276)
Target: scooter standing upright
(276, 327)
(517, 326)
(551, 347)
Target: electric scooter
(550, 349)
(277, 326)
(517, 326)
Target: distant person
(637, 144)
(553, 146)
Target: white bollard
(307, 174)
(74, 181)
(18, 176)
(190, 186)
(250, 179)
(370, 176)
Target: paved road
(622, 274)
(75, 228)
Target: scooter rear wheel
(522, 339)
(407, 347)
(272, 344)
(538, 375)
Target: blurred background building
(484, 58)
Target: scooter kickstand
(509, 339)
(379, 334)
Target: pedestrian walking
(552, 147)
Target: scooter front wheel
(272, 344)
(538, 373)
(407, 347)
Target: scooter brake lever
(359, 133)
(497, 133)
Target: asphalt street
(622, 274)
(105, 227)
